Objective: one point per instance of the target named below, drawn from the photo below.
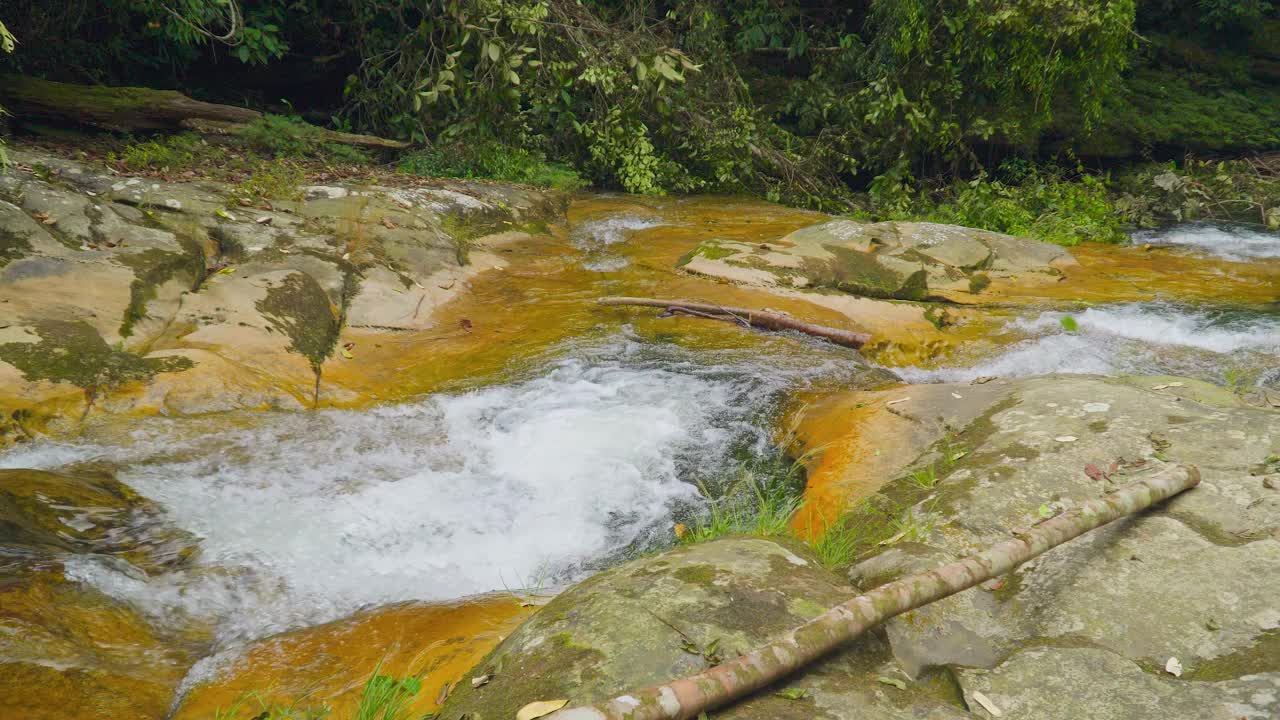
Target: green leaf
(1045, 511)
(1069, 323)
(493, 51)
(793, 693)
(892, 681)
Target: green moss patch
(13, 246)
(152, 269)
(862, 274)
(299, 308)
(72, 351)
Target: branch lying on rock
(717, 686)
(754, 318)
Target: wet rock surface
(114, 290)
(898, 260)
(673, 614)
(1084, 631)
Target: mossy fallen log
(139, 109)
(123, 109)
(373, 142)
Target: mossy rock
(73, 352)
(54, 514)
(673, 614)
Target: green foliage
(383, 698)
(490, 161)
(1239, 190)
(270, 180)
(752, 507)
(172, 153)
(1045, 203)
(289, 136)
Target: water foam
(612, 230)
(307, 517)
(1230, 242)
(1127, 338)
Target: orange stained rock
(543, 295)
(328, 665)
(855, 445)
(1125, 273)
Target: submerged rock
(676, 613)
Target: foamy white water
(596, 236)
(307, 517)
(1230, 242)
(1127, 338)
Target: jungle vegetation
(990, 112)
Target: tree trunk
(687, 697)
(754, 318)
(133, 109)
(124, 109)
(373, 142)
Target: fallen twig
(755, 318)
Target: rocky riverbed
(268, 445)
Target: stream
(562, 457)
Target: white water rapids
(1136, 338)
(307, 517)
(1230, 242)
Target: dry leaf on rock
(538, 708)
(986, 704)
(1173, 667)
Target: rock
(67, 651)
(51, 515)
(1064, 683)
(329, 664)
(666, 616)
(899, 260)
(1180, 581)
(130, 294)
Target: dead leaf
(465, 324)
(449, 286)
(480, 680)
(899, 400)
(986, 704)
(982, 380)
(680, 530)
(1173, 667)
(892, 681)
(388, 224)
(538, 708)
(41, 216)
(1066, 438)
(264, 220)
(1094, 472)
(444, 692)
(957, 396)
(1167, 385)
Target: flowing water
(305, 518)
(585, 436)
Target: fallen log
(219, 127)
(124, 109)
(135, 109)
(755, 318)
(729, 681)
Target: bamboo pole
(685, 698)
(755, 318)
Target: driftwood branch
(754, 318)
(687, 697)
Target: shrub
(490, 161)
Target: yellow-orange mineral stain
(328, 665)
